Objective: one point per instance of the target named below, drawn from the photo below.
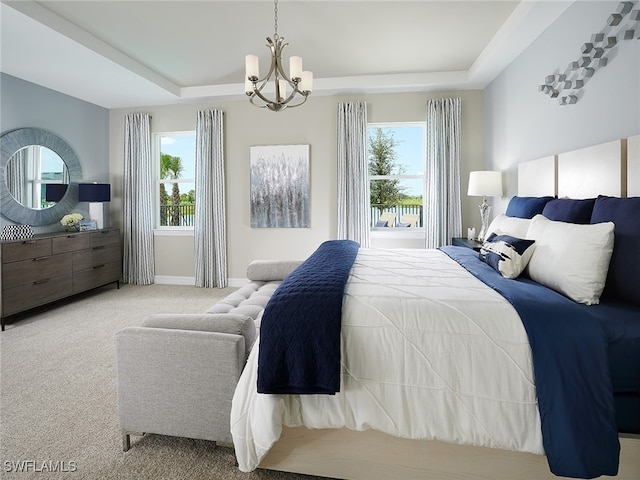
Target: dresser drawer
(37, 293)
(15, 251)
(96, 256)
(96, 276)
(35, 270)
(105, 237)
(71, 242)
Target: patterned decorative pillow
(506, 254)
(382, 223)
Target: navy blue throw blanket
(300, 328)
(569, 349)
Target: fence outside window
(399, 210)
(182, 215)
(177, 215)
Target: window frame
(383, 231)
(156, 151)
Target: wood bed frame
(609, 169)
(371, 455)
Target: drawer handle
(28, 242)
(71, 236)
(99, 247)
(41, 259)
(98, 266)
(39, 282)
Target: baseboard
(176, 280)
(237, 282)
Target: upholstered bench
(177, 372)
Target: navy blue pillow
(526, 207)
(569, 210)
(382, 223)
(623, 280)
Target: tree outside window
(396, 173)
(176, 179)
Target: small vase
(72, 228)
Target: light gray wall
(84, 126)
(314, 124)
(523, 124)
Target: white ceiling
(120, 54)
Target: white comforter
(428, 352)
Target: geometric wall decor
(621, 25)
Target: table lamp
(53, 192)
(96, 194)
(484, 183)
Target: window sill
(397, 237)
(173, 232)
(397, 232)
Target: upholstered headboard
(578, 178)
(611, 168)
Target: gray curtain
(209, 224)
(138, 267)
(16, 175)
(442, 203)
(353, 173)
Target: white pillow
(571, 259)
(514, 226)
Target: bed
(461, 399)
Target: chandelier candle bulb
(251, 64)
(283, 89)
(306, 85)
(248, 86)
(295, 68)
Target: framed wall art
(280, 186)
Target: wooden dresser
(50, 267)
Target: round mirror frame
(13, 141)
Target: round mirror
(39, 175)
(36, 177)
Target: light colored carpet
(58, 393)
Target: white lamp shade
(282, 86)
(295, 67)
(251, 65)
(306, 85)
(485, 183)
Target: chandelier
(298, 83)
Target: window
(175, 160)
(396, 155)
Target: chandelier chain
(275, 18)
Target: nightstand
(463, 242)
